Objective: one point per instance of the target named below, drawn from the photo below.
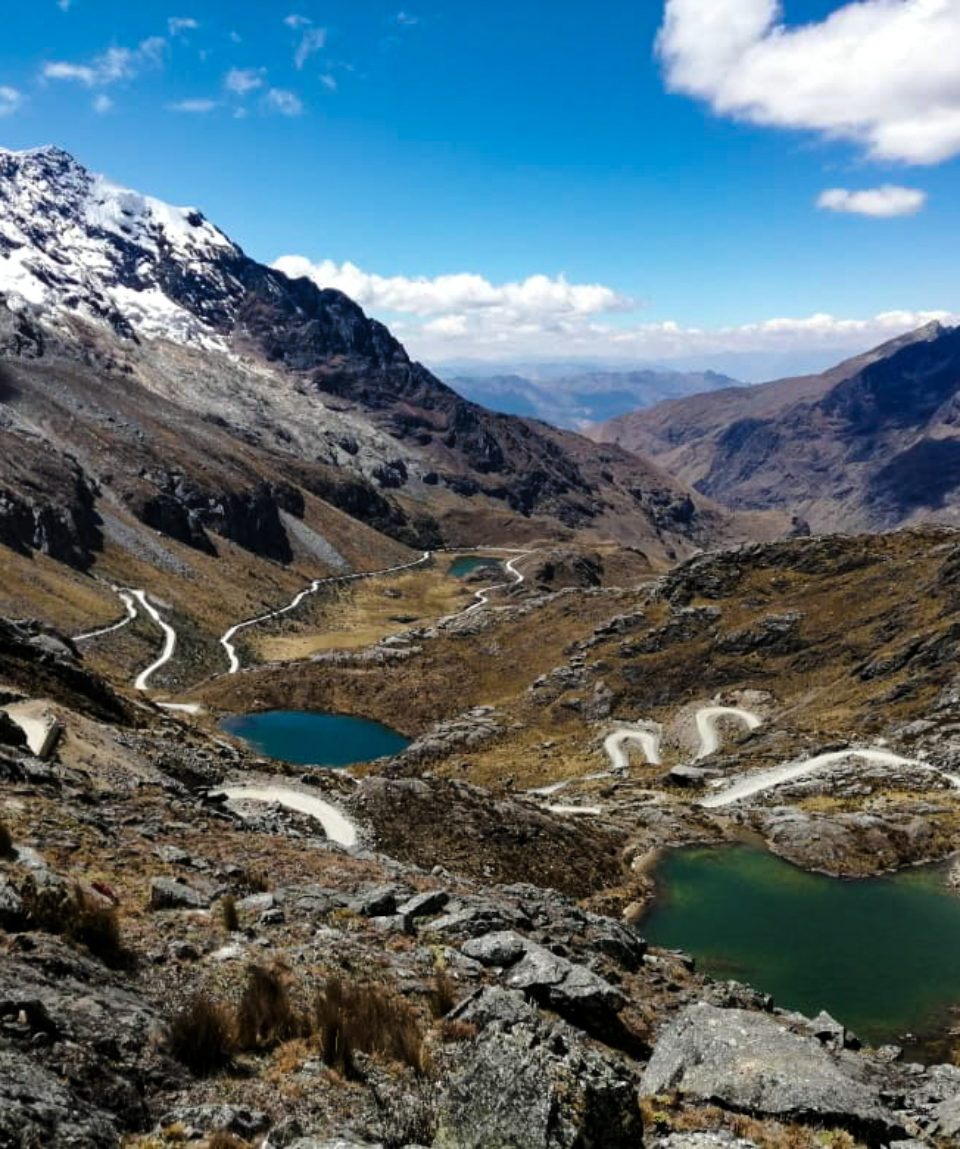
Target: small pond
(313, 738)
(467, 564)
(878, 954)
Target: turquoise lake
(313, 738)
(466, 565)
(880, 955)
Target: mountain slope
(163, 297)
(871, 444)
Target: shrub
(443, 996)
(6, 842)
(256, 881)
(364, 1017)
(201, 1036)
(265, 1016)
(73, 914)
(223, 1140)
(228, 914)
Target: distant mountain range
(872, 444)
(571, 396)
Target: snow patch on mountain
(72, 241)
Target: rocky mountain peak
(71, 240)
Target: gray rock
(719, 1140)
(748, 1062)
(379, 902)
(166, 894)
(502, 948)
(492, 1004)
(12, 914)
(36, 1109)
(527, 1085)
(201, 1119)
(575, 992)
(479, 920)
(425, 904)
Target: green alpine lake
(467, 564)
(878, 954)
(314, 738)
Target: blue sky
(590, 197)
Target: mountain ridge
(851, 449)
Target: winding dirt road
(707, 720)
(483, 596)
(336, 825)
(768, 779)
(226, 641)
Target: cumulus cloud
(102, 104)
(110, 67)
(312, 41)
(282, 102)
(180, 24)
(199, 107)
(880, 203)
(11, 100)
(536, 296)
(467, 316)
(882, 73)
(243, 81)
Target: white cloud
(194, 107)
(407, 19)
(538, 296)
(61, 70)
(283, 102)
(314, 39)
(102, 104)
(467, 316)
(882, 73)
(242, 81)
(110, 67)
(881, 203)
(295, 21)
(329, 82)
(64, 5)
(180, 24)
(11, 100)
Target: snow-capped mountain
(280, 391)
(71, 240)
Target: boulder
(525, 1084)
(575, 992)
(198, 1120)
(425, 904)
(502, 948)
(750, 1063)
(166, 894)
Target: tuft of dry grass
(201, 1037)
(364, 1017)
(223, 1140)
(229, 915)
(73, 914)
(266, 1016)
(443, 995)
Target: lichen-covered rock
(750, 1063)
(525, 1084)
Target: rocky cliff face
(872, 444)
(118, 284)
